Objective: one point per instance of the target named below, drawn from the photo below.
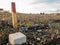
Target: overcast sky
(31, 6)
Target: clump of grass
(42, 21)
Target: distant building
(1, 11)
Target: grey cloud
(44, 1)
(39, 1)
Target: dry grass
(33, 17)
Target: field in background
(30, 17)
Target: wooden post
(14, 17)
